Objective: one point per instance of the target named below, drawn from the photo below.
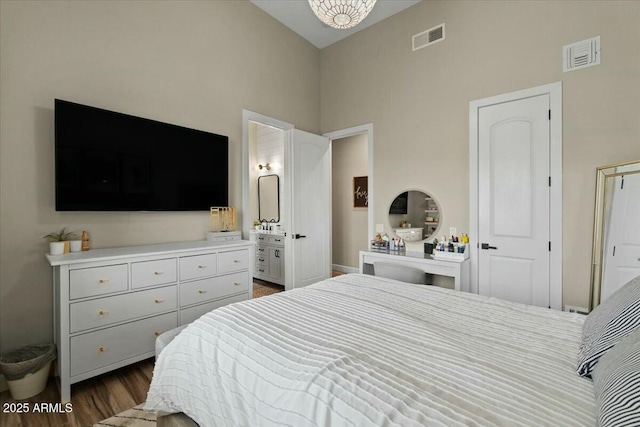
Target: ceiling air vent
(581, 54)
(428, 37)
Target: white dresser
(111, 304)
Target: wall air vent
(428, 37)
(581, 54)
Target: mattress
(359, 350)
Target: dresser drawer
(261, 250)
(118, 308)
(88, 282)
(261, 238)
(213, 288)
(229, 262)
(190, 314)
(276, 240)
(151, 273)
(107, 346)
(197, 266)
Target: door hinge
(549, 246)
(549, 114)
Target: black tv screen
(108, 161)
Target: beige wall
(418, 101)
(349, 233)
(195, 64)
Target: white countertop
(105, 254)
(272, 232)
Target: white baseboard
(575, 309)
(3, 384)
(344, 268)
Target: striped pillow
(616, 380)
(607, 324)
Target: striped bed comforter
(360, 350)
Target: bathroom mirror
(414, 215)
(616, 230)
(269, 198)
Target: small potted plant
(59, 241)
(256, 224)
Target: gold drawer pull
(103, 312)
(102, 281)
(157, 333)
(158, 301)
(202, 266)
(157, 273)
(202, 292)
(237, 283)
(102, 349)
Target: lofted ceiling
(298, 16)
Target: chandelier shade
(341, 14)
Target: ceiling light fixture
(341, 14)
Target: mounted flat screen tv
(108, 161)
(399, 204)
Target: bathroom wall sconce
(267, 166)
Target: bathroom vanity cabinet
(269, 262)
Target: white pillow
(607, 324)
(616, 380)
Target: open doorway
(351, 199)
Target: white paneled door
(311, 208)
(514, 200)
(622, 235)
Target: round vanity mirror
(414, 216)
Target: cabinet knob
(236, 260)
(157, 333)
(102, 350)
(200, 291)
(237, 283)
(202, 266)
(102, 281)
(157, 273)
(158, 301)
(103, 312)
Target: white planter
(56, 248)
(75, 245)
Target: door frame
(247, 116)
(358, 130)
(554, 90)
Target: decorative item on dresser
(111, 304)
(59, 241)
(269, 261)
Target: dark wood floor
(97, 398)
(92, 400)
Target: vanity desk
(459, 270)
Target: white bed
(360, 350)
